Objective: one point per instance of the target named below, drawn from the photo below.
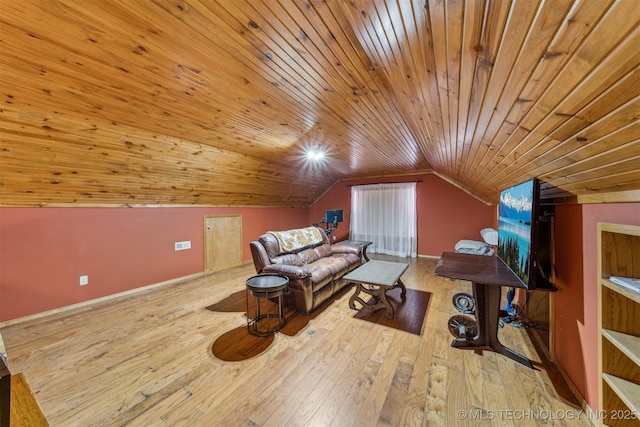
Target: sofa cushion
(324, 270)
(323, 250)
(321, 275)
(351, 260)
(308, 256)
(288, 259)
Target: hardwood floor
(146, 360)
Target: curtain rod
(376, 183)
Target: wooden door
(222, 241)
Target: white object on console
(473, 247)
(470, 244)
(489, 235)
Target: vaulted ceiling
(216, 102)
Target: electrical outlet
(334, 237)
(84, 280)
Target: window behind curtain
(385, 214)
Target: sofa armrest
(287, 270)
(346, 249)
(259, 254)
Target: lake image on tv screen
(514, 228)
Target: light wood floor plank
(146, 360)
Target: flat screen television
(524, 235)
(333, 216)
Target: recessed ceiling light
(315, 155)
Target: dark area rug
(409, 313)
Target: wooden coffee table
(376, 278)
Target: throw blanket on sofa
(292, 240)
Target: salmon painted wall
(568, 310)
(446, 214)
(44, 251)
(575, 304)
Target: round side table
(265, 286)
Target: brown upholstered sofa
(313, 265)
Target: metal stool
(265, 286)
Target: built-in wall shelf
(628, 344)
(618, 325)
(626, 390)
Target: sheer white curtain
(385, 214)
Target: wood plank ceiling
(216, 102)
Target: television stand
(487, 275)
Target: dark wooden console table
(487, 274)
